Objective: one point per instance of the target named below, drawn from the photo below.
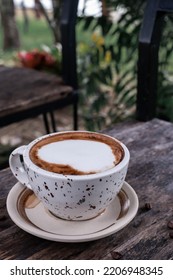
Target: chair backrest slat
(148, 49)
(68, 40)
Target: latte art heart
(83, 155)
(76, 153)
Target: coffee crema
(76, 153)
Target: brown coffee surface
(115, 146)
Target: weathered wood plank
(24, 88)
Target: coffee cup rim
(47, 173)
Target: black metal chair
(149, 42)
(26, 93)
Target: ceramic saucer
(29, 214)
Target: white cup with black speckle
(75, 174)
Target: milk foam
(83, 155)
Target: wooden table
(146, 237)
(26, 93)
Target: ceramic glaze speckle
(66, 196)
(77, 200)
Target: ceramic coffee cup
(75, 174)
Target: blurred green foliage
(107, 61)
(107, 65)
(107, 87)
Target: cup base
(77, 219)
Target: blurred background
(107, 43)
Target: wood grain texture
(24, 88)
(146, 237)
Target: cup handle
(17, 166)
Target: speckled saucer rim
(14, 214)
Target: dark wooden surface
(23, 89)
(28, 86)
(146, 237)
